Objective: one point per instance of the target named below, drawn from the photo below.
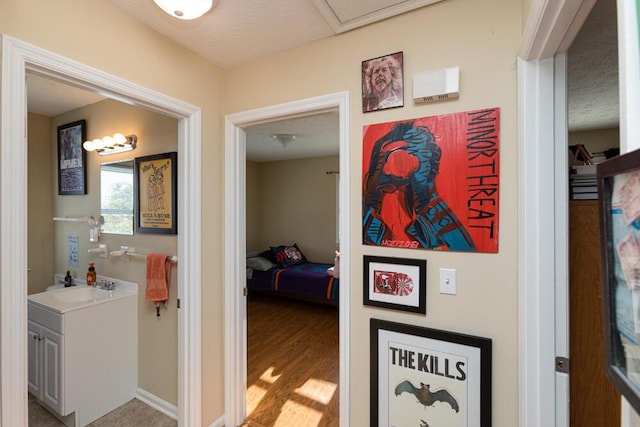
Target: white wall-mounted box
(436, 85)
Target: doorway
(292, 339)
(543, 233)
(18, 58)
(593, 400)
(235, 246)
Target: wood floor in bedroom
(292, 366)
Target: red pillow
(287, 256)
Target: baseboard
(218, 423)
(156, 403)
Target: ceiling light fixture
(185, 9)
(284, 139)
(117, 143)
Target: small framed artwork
(428, 377)
(619, 203)
(155, 188)
(72, 169)
(382, 82)
(396, 283)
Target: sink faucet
(105, 284)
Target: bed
(285, 271)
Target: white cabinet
(83, 353)
(45, 365)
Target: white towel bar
(173, 259)
(69, 219)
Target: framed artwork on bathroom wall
(155, 193)
(72, 164)
(395, 283)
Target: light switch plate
(448, 281)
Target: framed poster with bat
(427, 377)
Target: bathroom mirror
(116, 197)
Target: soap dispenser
(91, 274)
(68, 280)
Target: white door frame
(17, 58)
(543, 247)
(543, 235)
(235, 245)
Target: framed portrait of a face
(382, 83)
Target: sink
(80, 294)
(76, 297)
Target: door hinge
(178, 302)
(562, 364)
(245, 292)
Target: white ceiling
(316, 136)
(237, 31)
(592, 62)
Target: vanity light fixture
(284, 139)
(117, 143)
(186, 9)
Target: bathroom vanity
(83, 350)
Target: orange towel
(158, 277)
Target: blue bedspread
(307, 279)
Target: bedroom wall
(252, 208)
(84, 31)
(297, 204)
(483, 39)
(596, 140)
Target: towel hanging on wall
(158, 278)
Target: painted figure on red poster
(433, 182)
(401, 201)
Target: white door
(35, 358)
(52, 354)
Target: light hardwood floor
(292, 371)
(292, 366)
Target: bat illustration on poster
(425, 396)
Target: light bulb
(98, 144)
(119, 139)
(88, 146)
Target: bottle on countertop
(91, 274)
(68, 280)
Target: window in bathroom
(116, 197)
